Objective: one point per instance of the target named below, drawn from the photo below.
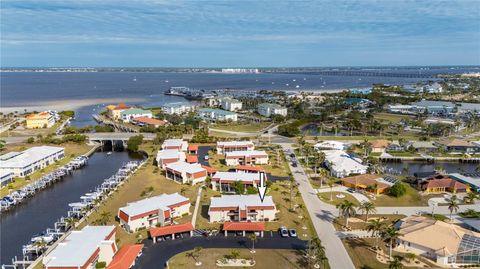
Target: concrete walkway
(322, 215)
(360, 197)
(197, 205)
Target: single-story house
(441, 183)
(146, 121)
(446, 244)
(458, 145)
(424, 146)
(342, 164)
(331, 145)
(148, 212)
(376, 184)
(379, 145)
(470, 179)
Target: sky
(259, 33)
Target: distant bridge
(102, 137)
(364, 73)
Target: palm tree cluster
(348, 209)
(315, 255)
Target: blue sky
(239, 33)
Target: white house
(331, 145)
(177, 144)
(28, 161)
(83, 249)
(342, 164)
(212, 114)
(229, 146)
(230, 104)
(267, 110)
(223, 181)
(178, 108)
(5, 177)
(241, 208)
(182, 172)
(149, 212)
(129, 114)
(248, 157)
(166, 156)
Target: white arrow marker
(262, 188)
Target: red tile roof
(209, 169)
(250, 168)
(192, 159)
(122, 106)
(244, 226)
(147, 120)
(192, 147)
(167, 230)
(444, 183)
(125, 257)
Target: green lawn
(265, 258)
(394, 118)
(358, 222)
(325, 197)
(411, 198)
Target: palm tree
(331, 184)
(470, 197)
(104, 218)
(2, 144)
(390, 234)
(194, 255)
(395, 264)
(315, 252)
(375, 226)
(323, 174)
(253, 238)
(452, 205)
(70, 222)
(367, 207)
(347, 209)
(183, 190)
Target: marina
(50, 209)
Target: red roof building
(192, 159)
(210, 170)
(442, 183)
(148, 121)
(170, 230)
(121, 106)
(249, 169)
(125, 258)
(244, 227)
(193, 149)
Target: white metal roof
(241, 201)
(342, 161)
(237, 176)
(28, 157)
(186, 167)
(332, 145)
(246, 153)
(172, 143)
(169, 154)
(234, 143)
(78, 247)
(154, 203)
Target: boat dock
(385, 157)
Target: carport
(244, 227)
(170, 230)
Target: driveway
(322, 215)
(359, 196)
(156, 255)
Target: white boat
(109, 153)
(298, 86)
(135, 78)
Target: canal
(41, 211)
(410, 167)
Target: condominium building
(177, 144)
(5, 177)
(161, 209)
(241, 208)
(212, 114)
(267, 110)
(249, 157)
(178, 108)
(167, 156)
(224, 181)
(230, 104)
(229, 146)
(129, 114)
(40, 120)
(114, 111)
(83, 249)
(186, 173)
(28, 161)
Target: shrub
(398, 190)
(100, 265)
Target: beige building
(186, 173)
(229, 146)
(40, 120)
(115, 112)
(241, 208)
(445, 243)
(249, 157)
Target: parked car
(294, 164)
(283, 231)
(351, 190)
(292, 233)
(206, 158)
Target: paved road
(156, 255)
(322, 216)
